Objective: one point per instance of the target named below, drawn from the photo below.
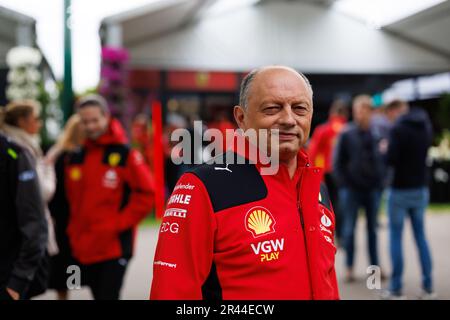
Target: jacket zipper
(302, 223)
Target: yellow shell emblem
(259, 222)
(75, 174)
(114, 159)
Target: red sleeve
(329, 289)
(333, 277)
(335, 295)
(184, 253)
(140, 181)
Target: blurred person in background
(222, 123)
(21, 123)
(380, 122)
(408, 144)
(23, 227)
(110, 190)
(141, 138)
(358, 169)
(69, 141)
(173, 171)
(320, 150)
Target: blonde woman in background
(20, 122)
(71, 138)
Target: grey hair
(94, 100)
(248, 80)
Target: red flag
(158, 158)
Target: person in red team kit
(231, 232)
(110, 190)
(320, 152)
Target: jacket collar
(23, 139)
(115, 134)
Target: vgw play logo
(268, 250)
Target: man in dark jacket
(409, 140)
(358, 169)
(23, 228)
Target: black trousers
(105, 279)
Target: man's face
(362, 113)
(394, 114)
(93, 121)
(279, 99)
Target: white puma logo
(225, 169)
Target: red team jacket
(322, 142)
(109, 189)
(231, 233)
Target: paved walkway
(139, 275)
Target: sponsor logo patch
(111, 180)
(180, 199)
(27, 175)
(165, 264)
(114, 159)
(75, 174)
(259, 222)
(184, 186)
(268, 250)
(175, 212)
(169, 227)
(326, 222)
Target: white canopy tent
(305, 34)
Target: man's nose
(287, 116)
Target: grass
(439, 208)
(433, 208)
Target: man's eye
(300, 109)
(271, 110)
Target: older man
(234, 233)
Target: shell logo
(75, 174)
(326, 221)
(259, 222)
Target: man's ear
(239, 116)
